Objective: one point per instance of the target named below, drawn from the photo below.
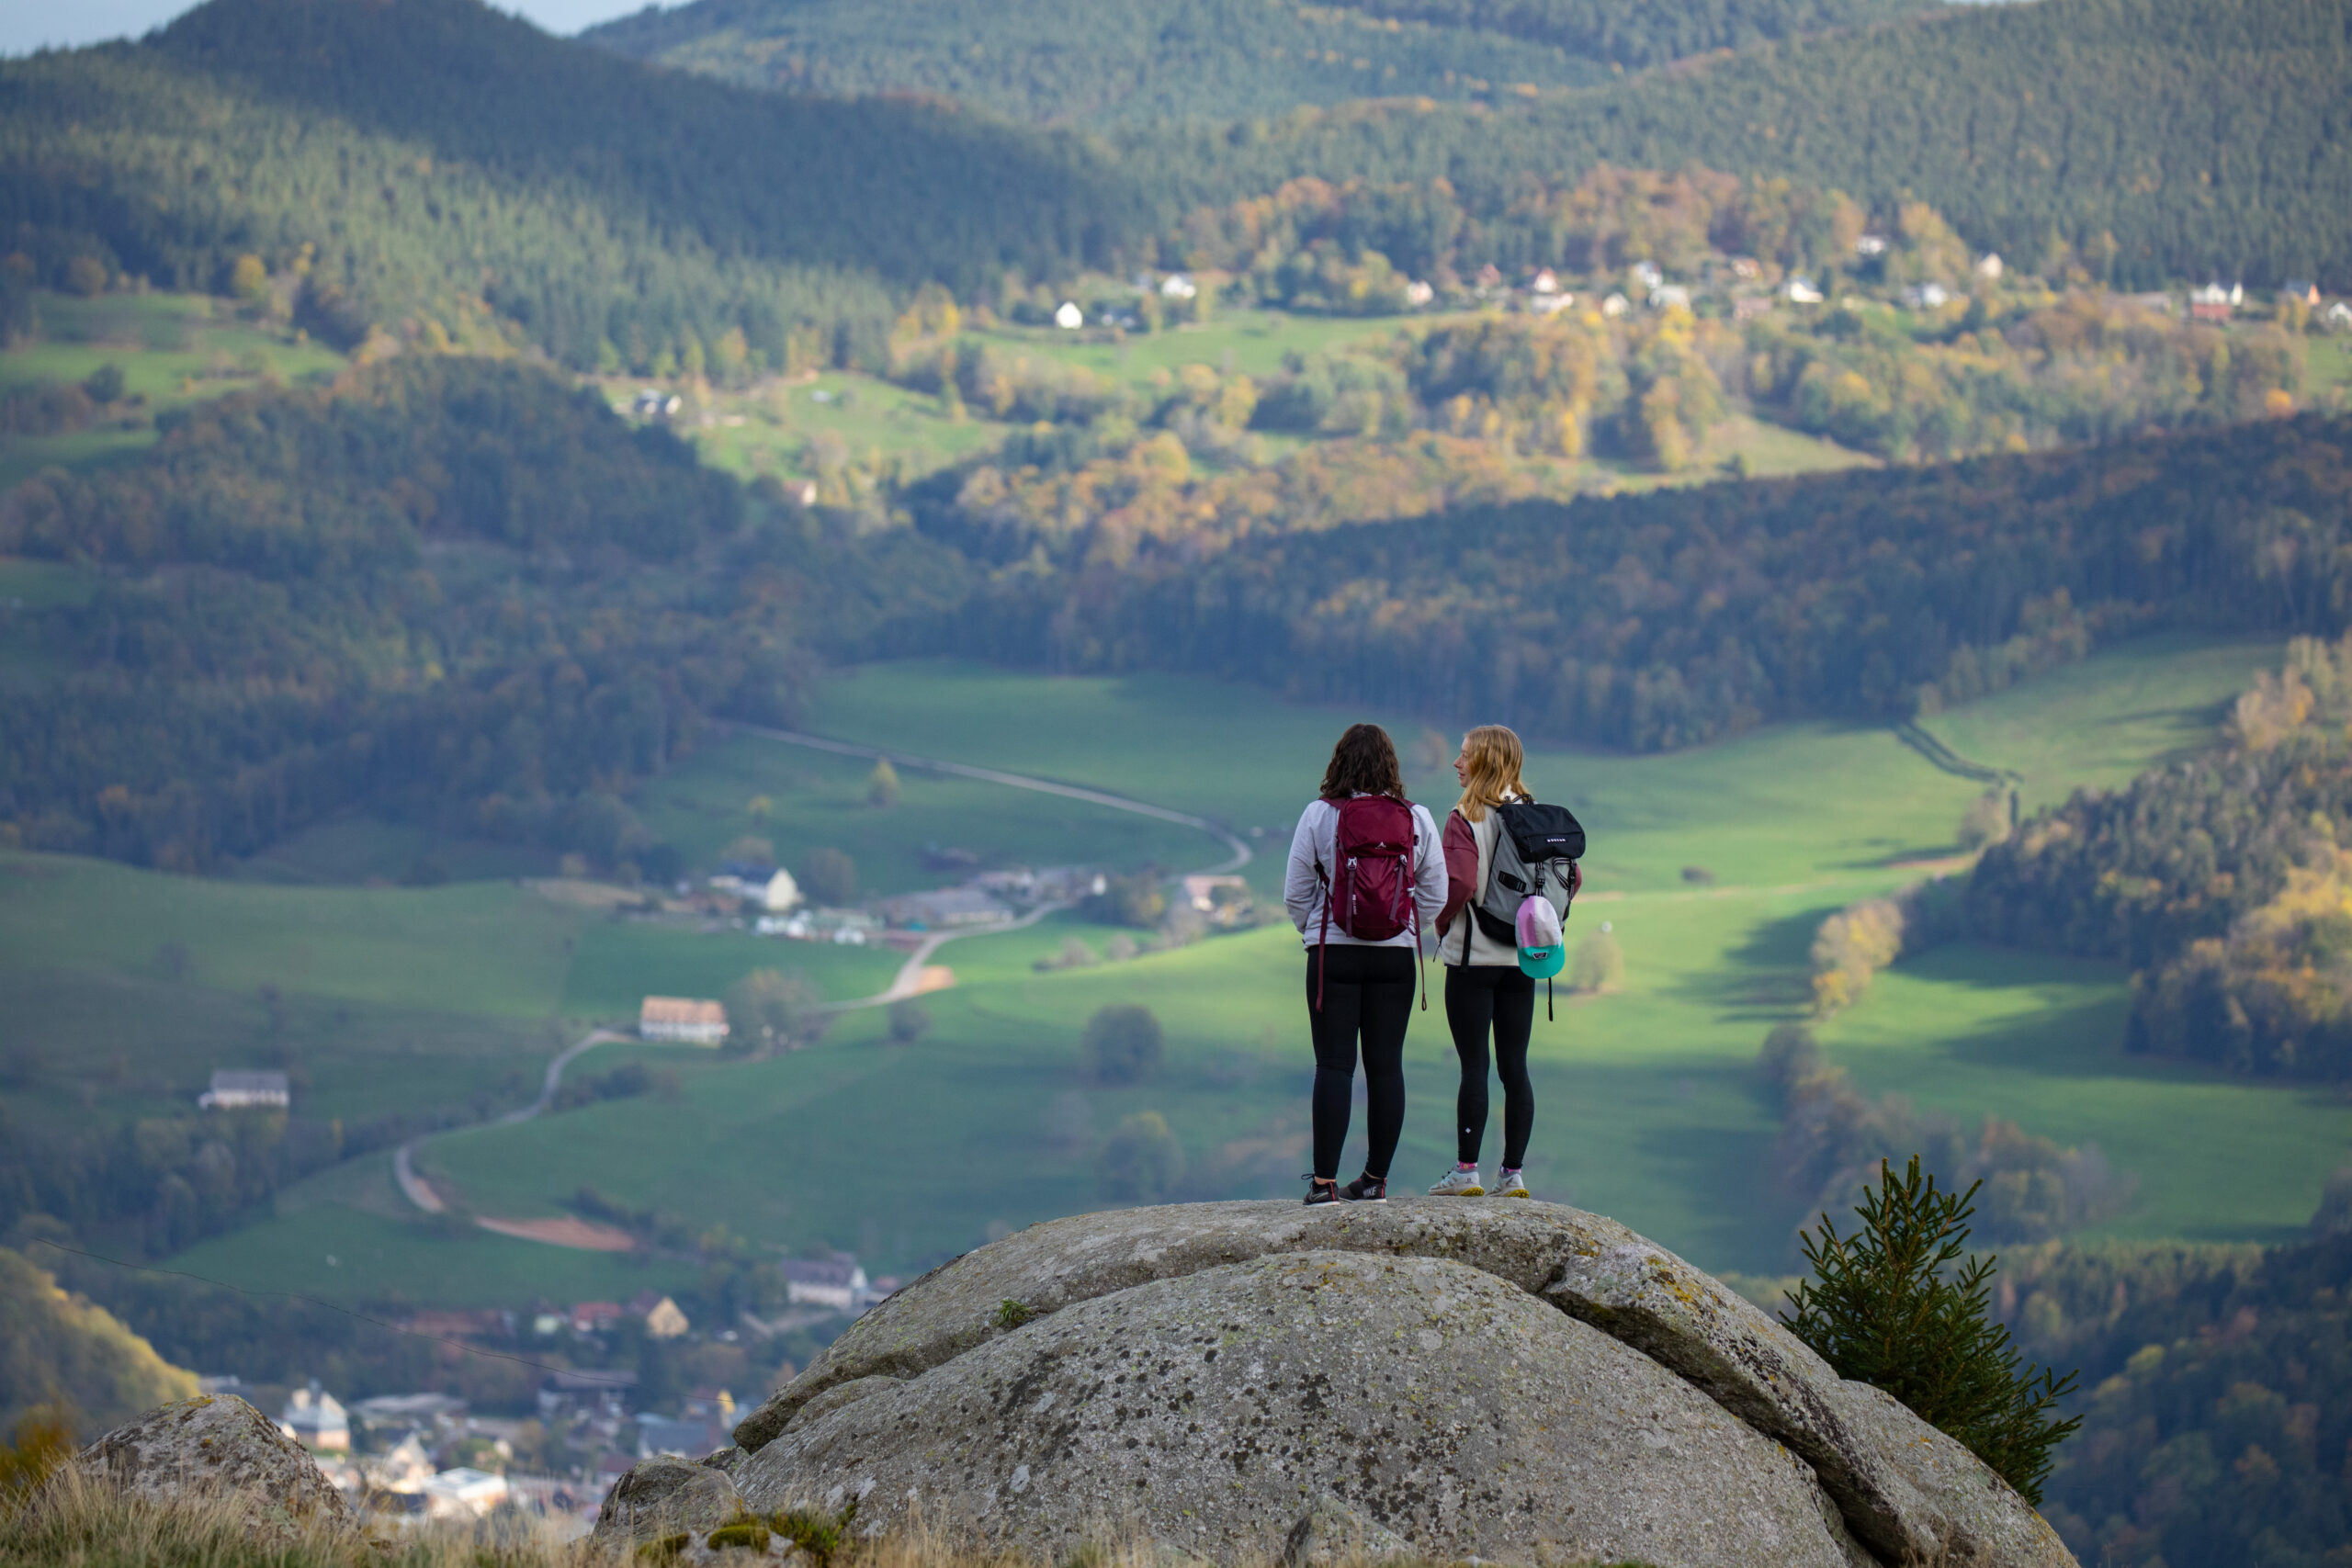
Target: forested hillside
(58, 1349)
(1667, 619)
(2151, 139)
(439, 168)
(2223, 880)
(1122, 62)
(448, 174)
(2218, 1396)
(457, 590)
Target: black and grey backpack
(1535, 847)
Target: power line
(314, 1301)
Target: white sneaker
(1459, 1184)
(1511, 1184)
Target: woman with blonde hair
(1487, 990)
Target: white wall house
(315, 1420)
(684, 1021)
(836, 1282)
(237, 1090)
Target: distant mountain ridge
(434, 158)
(450, 173)
(2155, 138)
(1133, 62)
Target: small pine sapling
(1888, 1307)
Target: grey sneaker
(1459, 1184)
(1511, 1184)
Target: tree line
(1663, 620)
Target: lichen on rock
(1035, 1426)
(216, 1446)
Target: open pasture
(173, 349)
(1650, 1107)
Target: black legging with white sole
(1368, 995)
(1479, 997)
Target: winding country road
(1240, 858)
(421, 1193)
(907, 981)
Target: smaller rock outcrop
(663, 1496)
(216, 1446)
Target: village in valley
(411, 1460)
(423, 1457)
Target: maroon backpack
(1371, 897)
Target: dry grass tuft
(70, 1523)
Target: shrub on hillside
(1121, 1045)
(1143, 1162)
(1833, 1137)
(830, 877)
(1599, 962)
(910, 1021)
(768, 1008)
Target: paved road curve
(421, 1193)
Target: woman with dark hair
(1366, 877)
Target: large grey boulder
(1900, 1487)
(216, 1446)
(1212, 1411)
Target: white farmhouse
(314, 1419)
(836, 1282)
(684, 1021)
(238, 1091)
(1069, 317)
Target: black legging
(1477, 996)
(1369, 992)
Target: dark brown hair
(1363, 763)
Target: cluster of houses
(2215, 302)
(394, 1476)
(414, 1458)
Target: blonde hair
(1495, 756)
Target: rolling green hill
(1131, 63)
(1651, 1110)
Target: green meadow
(173, 349)
(1713, 867)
